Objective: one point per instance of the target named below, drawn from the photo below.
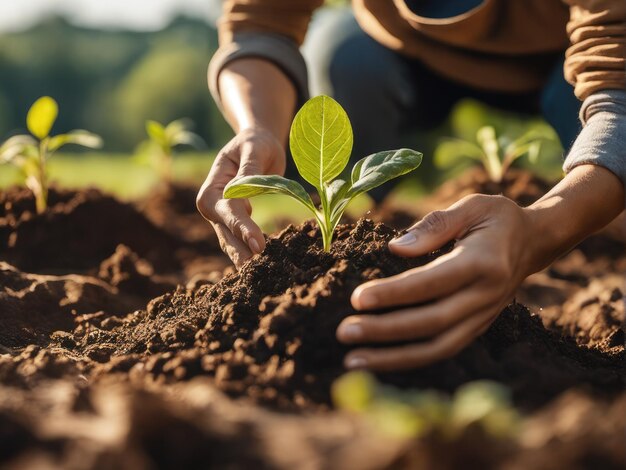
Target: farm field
(133, 337)
(128, 341)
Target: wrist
(256, 93)
(258, 128)
(585, 201)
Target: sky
(134, 14)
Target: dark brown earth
(268, 331)
(81, 229)
(98, 369)
(518, 185)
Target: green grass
(119, 174)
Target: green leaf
(336, 190)
(486, 137)
(15, 146)
(188, 138)
(156, 131)
(78, 137)
(177, 126)
(452, 151)
(533, 152)
(336, 194)
(487, 403)
(354, 391)
(468, 116)
(370, 172)
(41, 117)
(321, 140)
(250, 186)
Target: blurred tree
(105, 79)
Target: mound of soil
(594, 315)
(268, 331)
(82, 228)
(34, 306)
(173, 209)
(106, 363)
(518, 185)
(189, 425)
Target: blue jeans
(387, 95)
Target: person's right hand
(253, 151)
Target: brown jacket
(505, 45)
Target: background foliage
(111, 82)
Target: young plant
(30, 153)
(496, 154)
(163, 140)
(418, 413)
(321, 143)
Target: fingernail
(407, 239)
(356, 362)
(351, 331)
(254, 246)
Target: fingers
(438, 228)
(236, 227)
(237, 251)
(445, 275)
(235, 215)
(420, 354)
(412, 323)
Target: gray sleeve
(603, 138)
(278, 49)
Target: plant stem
(166, 167)
(324, 229)
(41, 195)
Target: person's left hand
(446, 304)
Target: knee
(357, 67)
(344, 62)
(327, 35)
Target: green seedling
(321, 143)
(30, 153)
(496, 154)
(417, 413)
(164, 139)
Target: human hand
(253, 151)
(447, 303)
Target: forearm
(585, 201)
(256, 93)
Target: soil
(116, 354)
(81, 229)
(267, 332)
(173, 209)
(518, 185)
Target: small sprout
(321, 143)
(416, 413)
(163, 140)
(30, 153)
(486, 403)
(496, 154)
(353, 391)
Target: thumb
(248, 164)
(433, 231)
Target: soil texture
(125, 343)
